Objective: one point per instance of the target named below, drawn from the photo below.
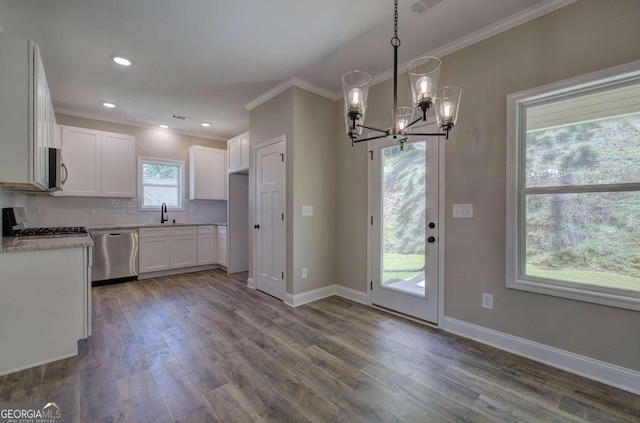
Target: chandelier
(423, 77)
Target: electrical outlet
(307, 211)
(132, 209)
(305, 273)
(90, 210)
(487, 301)
(463, 211)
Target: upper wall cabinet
(100, 164)
(207, 173)
(238, 149)
(27, 121)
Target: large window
(160, 181)
(573, 200)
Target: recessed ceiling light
(163, 126)
(121, 60)
(205, 124)
(108, 105)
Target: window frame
(141, 185)
(517, 104)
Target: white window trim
(181, 190)
(514, 279)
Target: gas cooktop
(53, 232)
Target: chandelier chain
(395, 41)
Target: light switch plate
(463, 211)
(305, 273)
(307, 211)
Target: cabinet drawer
(205, 229)
(184, 230)
(153, 232)
(222, 230)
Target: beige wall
(586, 36)
(314, 183)
(308, 121)
(266, 122)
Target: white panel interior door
(270, 174)
(403, 228)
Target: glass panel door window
(403, 217)
(574, 200)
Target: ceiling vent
(180, 117)
(420, 6)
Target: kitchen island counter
(12, 244)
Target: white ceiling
(206, 59)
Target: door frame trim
(441, 225)
(254, 180)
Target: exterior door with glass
(403, 227)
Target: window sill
(608, 299)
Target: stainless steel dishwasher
(115, 254)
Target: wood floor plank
(202, 347)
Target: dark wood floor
(204, 348)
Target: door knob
(256, 226)
(431, 239)
(432, 225)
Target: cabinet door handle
(66, 173)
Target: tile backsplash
(44, 211)
(12, 199)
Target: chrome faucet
(164, 215)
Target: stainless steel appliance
(14, 220)
(57, 177)
(115, 254)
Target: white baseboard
(610, 374)
(352, 294)
(324, 292)
(250, 283)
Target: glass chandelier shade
(404, 118)
(447, 106)
(423, 76)
(355, 89)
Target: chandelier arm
(374, 129)
(414, 122)
(370, 138)
(428, 134)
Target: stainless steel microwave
(57, 170)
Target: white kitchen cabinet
(26, 116)
(207, 245)
(154, 254)
(207, 173)
(222, 245)
(99, 164)
(184, 246)
(118, 165)
(168, 247)
(238, 149)
(45, 305)
(82, 153)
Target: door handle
(431, 239)
(256, 226)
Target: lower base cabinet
(222, 245)
(166, 248)
(154, 254)
(207, 245)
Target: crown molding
(285, 85)
(480, 35)
(93, 116)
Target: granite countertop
(12, 244)
(150, 225)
